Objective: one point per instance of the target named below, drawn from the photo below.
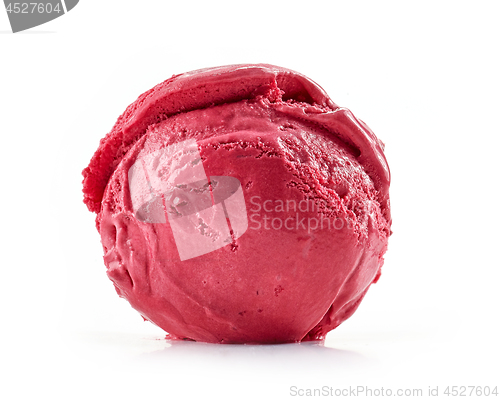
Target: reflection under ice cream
(239, 204)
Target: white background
(423, 75)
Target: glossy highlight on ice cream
(239, 204)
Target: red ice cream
(239, 204)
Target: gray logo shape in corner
(70, 4)
(26, 15)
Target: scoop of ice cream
(241, 205)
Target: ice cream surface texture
(239, 204)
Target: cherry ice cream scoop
(239, 204)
